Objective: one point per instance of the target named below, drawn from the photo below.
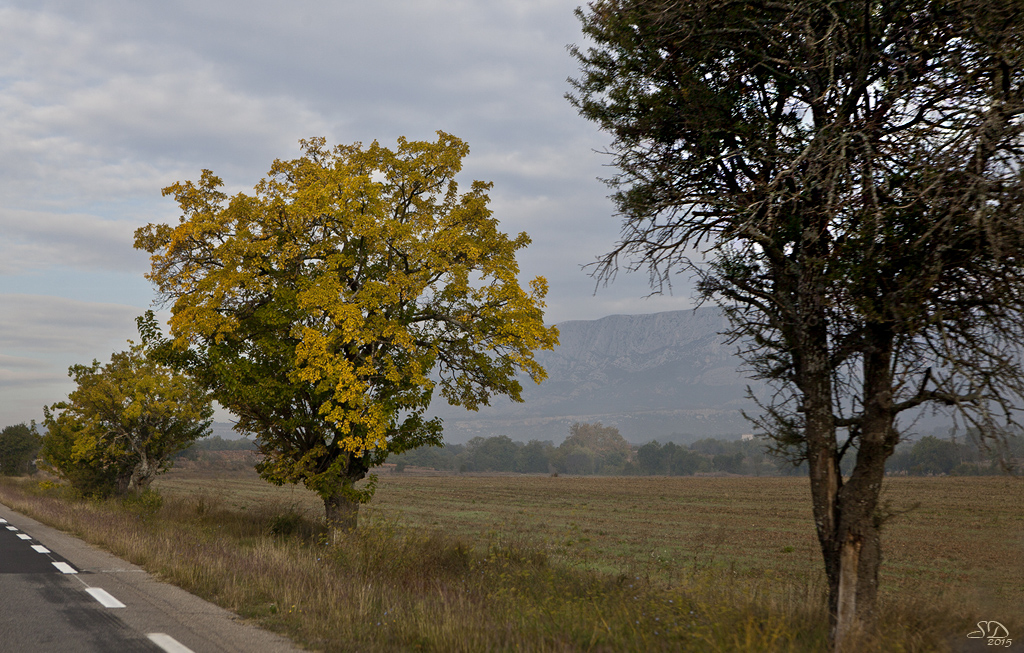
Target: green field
(511, 562)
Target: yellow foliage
(348, 283)
(123, 421)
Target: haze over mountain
(661, 376)
(657, 376)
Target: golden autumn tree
(123, 423)
(325, 309)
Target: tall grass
(388, 587)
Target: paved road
(58, 593)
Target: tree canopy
(590, 448)
(19, 445)
(123, 423)
(851, 171)
(325, 309)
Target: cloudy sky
(103, 103)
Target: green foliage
(592, 448)
(928, 456)
(497, 454)
(287, 523)
(935, 456)
(649, 459)
(673, 460)
(19, 445)
(732, 464)
(326, 309)
(93, 475)
(146, 503)
(967, 456)
(931, 455)
(534, 457)
(122, 424)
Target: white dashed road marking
(64, 568)
(104, 597)
(164, 641)
(168, 643)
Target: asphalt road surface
(58, 593)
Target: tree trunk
(856, 557)
(342, 510)
(142, 475)
(823, 469)
(853, 551)
(122, 483)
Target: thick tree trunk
(341, 505)
(823, 466)
(123, 482)
(856, 556)
(853, 550)
(342, 511)
(142, 474)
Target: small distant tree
(930, 455)
(494, 454)
(651, 459)
(711, 446)
(606, 450)
(19, 445)
(729, 463)
(534, 457)
(431, 457)
(123, 423)
(580, 461)
(325, 309)
(682, 461)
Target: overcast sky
(103, 103)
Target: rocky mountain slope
(663, 375)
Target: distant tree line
(597, 449)
(216, 443)
(958, 456)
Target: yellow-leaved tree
(326, 308)
(123, 423)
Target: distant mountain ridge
(651, 375)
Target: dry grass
(466, 563)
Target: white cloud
(103, 103)
(37, 323)
(17, 371)
(87, 116)
(35, 239)
(41, 336)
